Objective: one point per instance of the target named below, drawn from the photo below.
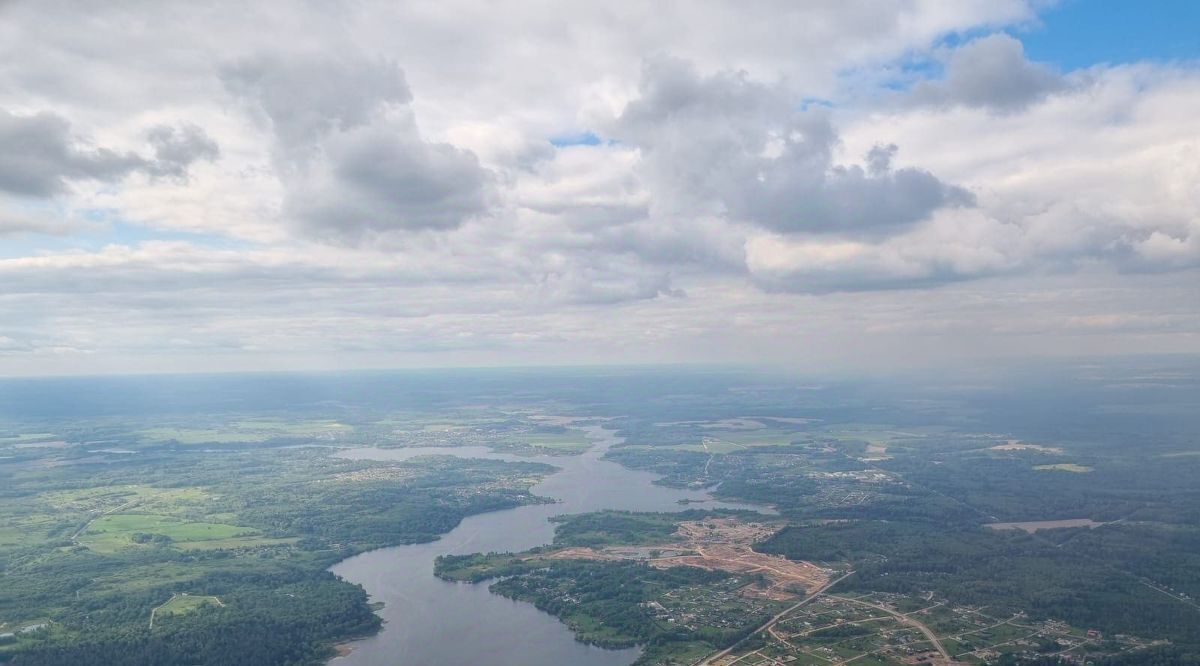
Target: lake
(431, 622)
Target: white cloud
(376, 181)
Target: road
(905, 619)
(127, 505)
(770, 623)
(1173, 596)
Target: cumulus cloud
(376, 194)
(349, 152)
(41, 156)
(176, 148)
(306, 97)
(727, 145)
(991, 72)
(1102, 176)
(384, 178)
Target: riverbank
(428, 622)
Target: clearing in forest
(721, 544)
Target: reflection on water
(430, 622)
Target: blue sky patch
(588, 138)
(1081, 33)
(109, 230)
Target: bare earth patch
(720, 544)
(1064, 467)
(1035, 525)
(1018, 445)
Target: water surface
(431, 622)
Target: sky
(854, 184)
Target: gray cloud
(305, 98)
(792, 196)
(991, 72)
(348, 150)
(41, 156)
(176, 148)
(865, 274)
(383, 178)
(587, 286)
(730, 146)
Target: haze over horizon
(356, 184)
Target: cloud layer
(579, 180)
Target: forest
(130, 494)
(604, 603)
(292, 512)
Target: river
(431, 622)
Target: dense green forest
(604, 603)
(254, 529)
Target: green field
(93, 549)
(36, 519)
(111, 533)
(183, 604)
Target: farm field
(182, 604)
(120, 521)
(114, 532)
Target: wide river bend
(431, 622)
